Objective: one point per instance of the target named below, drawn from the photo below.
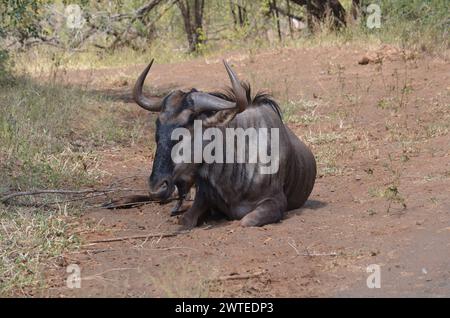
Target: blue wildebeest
(237, 190)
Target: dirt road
(380, 135)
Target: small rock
(364, 61)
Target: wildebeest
(237, 190)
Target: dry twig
(308, 253)
(138, 237)
(63, 192)
(239, 276)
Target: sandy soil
(380, 134)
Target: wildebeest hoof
(187, 223)
(178, 211)
(257, 220)
(174, 213)
(249, 222)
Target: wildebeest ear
(203, 102)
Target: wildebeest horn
(206, 102)
(152, 104)
(238, 89)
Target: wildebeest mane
(261, 98)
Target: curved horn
(238, 89)
(206, 102)
(152, 104)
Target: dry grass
(31, 241)
(183, 281)
(51, 136)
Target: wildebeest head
(180, 109)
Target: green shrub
(422, 24)
(5, 68)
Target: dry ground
(380, 135)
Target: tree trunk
(319, 10)
(193, 22)
(357, 10)
(339, 13)
(288, 7)
(309, 16)
(277, 17)
(233, 13)
(242, 15)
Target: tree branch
(64, 192)
(138, 237)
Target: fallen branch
(50, 204)
(308, 253)
(64, 192)
(113, 206)
(239, 276)
(318, 254)
(138, 237)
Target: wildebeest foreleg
(176, 210)
(268, 211)
(184, 188)
(190, 218)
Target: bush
(5, 68)
(419, 23)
